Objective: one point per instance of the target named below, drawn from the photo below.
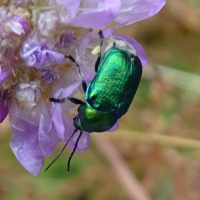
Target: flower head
(35, 36)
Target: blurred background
(155, 154)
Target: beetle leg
(76, 144)
(99, 54)
(72, 99)
(84, 85)
(75, 100)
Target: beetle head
(78, 124)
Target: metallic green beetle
(110, 92)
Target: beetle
(110, 92)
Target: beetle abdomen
(115, 83)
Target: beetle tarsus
(101, 34)
(54, 100)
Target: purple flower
(34, 41)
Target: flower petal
(30, 126)
(108, 33)
(69, 90)
(115, 127)
(137, 10)
(18, 25)
(3, 110)
(57, 118)
(58, 121)
(4, 74)
(24, 144)
(140, 51)
(48, 21)
(83, 142)
(67, 9)
(48, 139)
(38, 56)
(21, 20)
(99, 17)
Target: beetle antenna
(61, 150)
(76, 144)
